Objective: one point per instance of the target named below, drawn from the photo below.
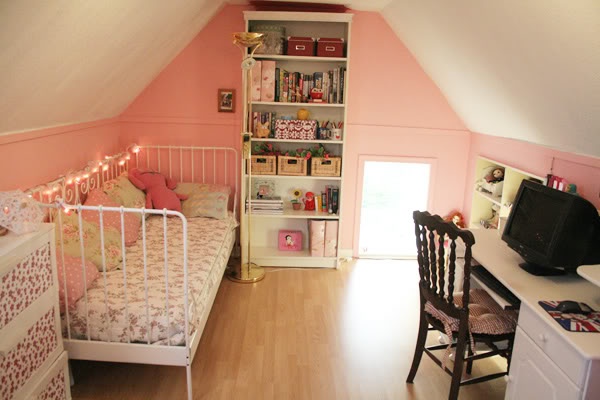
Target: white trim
(297, 16)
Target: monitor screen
(552, 230)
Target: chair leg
(420, 346)
(469, 361)
(459, 358)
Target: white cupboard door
(533, 376)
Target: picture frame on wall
(226, 100)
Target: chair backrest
(436, 255)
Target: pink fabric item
(158, 188)
(112, 219)
(74, 278)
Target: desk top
(503, 262)
(591, 273)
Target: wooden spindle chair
(444, 310)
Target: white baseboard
(345, 253)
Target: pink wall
(180, 105)
(394, 108)
(27, 159)
(582, 170)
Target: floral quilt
(116, 309)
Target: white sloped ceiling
(528, 70)
(70, 61)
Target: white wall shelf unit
(502, 197)
(264, 228)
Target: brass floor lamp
(249, 272)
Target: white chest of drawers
(33, 363)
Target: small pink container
(290, 240)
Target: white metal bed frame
(68, 191)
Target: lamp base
(247, 273)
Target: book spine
(335, 199)
(267, 91)
(300, 94)
(277, 73)
(286, 86)
(256, 74)
(324, 201)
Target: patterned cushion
(189, 188)
(74, 279)
(485, 315)
(123, 192)
(206, 204)
(91, 241)
(112, 219)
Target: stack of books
(266, 205)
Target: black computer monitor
(553, 231)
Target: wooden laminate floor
(299, 334)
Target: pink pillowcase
(74, 277)
(112, 219)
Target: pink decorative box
(295, 129)
(290, 240)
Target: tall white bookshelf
(264, 229)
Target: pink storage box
(295, 129)
(290, 240)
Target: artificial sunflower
(297, 193)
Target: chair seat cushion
(486, 317)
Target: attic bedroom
(133, 91)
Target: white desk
(590, 273)
(548, 361)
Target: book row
(273, 84)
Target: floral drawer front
(22, 285)
(18, 364)
(55, 389)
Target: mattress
(116, 311)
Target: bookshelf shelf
(300, 214)
(307, 178)
(331, 74)
(298, 141)
(300, 58)
(299, 105)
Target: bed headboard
(181, 163)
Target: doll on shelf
(497, 175)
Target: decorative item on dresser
(33, 362)
(135, 284)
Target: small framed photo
(226, 100)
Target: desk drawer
(563, 354)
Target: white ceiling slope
(528, 70)
(65, 61)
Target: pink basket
(290, 240)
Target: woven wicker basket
(291, 166)
(331, 166)
(263, 165)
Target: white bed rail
(65, 194)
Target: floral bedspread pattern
(122, 315)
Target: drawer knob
(543, 338)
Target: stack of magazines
(266, 205)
